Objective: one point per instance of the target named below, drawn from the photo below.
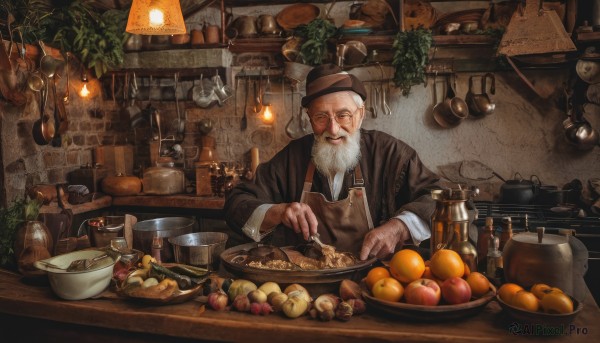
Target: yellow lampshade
(155, 17)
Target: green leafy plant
(25, 16)
(315, 35)
(95, 39)
(411, 55)
(10, 218)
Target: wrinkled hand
(382, 241)
(299, 217)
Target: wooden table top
(19, 297)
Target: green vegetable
(191, 271)
(315, 35)
(411, 54)
(183, 281)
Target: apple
(456, 290)
(422, 292)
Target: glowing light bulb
(84, 92)
(268, 116)
(157, 17)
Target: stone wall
(24, 163)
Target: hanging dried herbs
(315, 35)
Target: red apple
(422, 292)
(456, 290)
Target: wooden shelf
(588, 37)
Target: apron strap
(308, 179)
(358, 180)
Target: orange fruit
(507, 291)
(538, 289)
(388, 289)
(407, 266)
(479, 284)
(467, 270)
(525, 300)
(375, 275)
(556, 302)
(446, 263)
(427, 273)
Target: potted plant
(411, 55)
(95, 39)
(315, 35)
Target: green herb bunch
(25, 16)
(11, 217)
(96, 39)
(315, 35)
(411, 55)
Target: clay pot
(33, 242)
(121, 185)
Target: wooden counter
(178, 201)
(116, 320)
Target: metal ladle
(48, 64)
(35, 82)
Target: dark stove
(529, 217)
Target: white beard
(332, 159)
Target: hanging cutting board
(534, 32)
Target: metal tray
(233, 264)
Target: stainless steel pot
(531, 258)
(163, 181)
(144, 231)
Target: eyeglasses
(343, 118)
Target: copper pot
(531, 258)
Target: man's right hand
(295, 215)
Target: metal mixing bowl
(144, 231)
(202, 249)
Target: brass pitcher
(450, 223)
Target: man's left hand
(382, 241)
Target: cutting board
(115, 158)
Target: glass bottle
(507, 231)
(483, 242)
(494, 257)
(157, 243)
(462, 245)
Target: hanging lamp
(155, 17)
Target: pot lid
(588, 71)
(539, 238)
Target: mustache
(341, 133)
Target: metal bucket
(202, 249)
(144, 231)
(101, 230)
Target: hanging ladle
(48, 64)
(43, 128)
(35, 82)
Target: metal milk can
(450, 224)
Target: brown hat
(329, 78)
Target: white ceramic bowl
(78, 285)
